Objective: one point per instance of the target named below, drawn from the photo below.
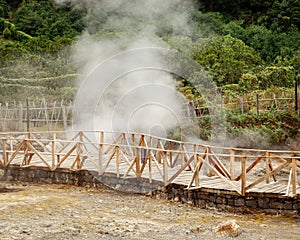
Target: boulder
(228, 229)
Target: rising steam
(136, 98)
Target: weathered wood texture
(19, 116)
(134, 155)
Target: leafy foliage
(38, 18)
(227, 58)
(245, 45)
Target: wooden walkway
(131, 155)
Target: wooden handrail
(165, 159)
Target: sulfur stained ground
(64, 212)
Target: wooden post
(268, 170)
(4, 153)
(257, 103)
(294, 176)
(79, 149)
(101, 151)
(170, 153)
(52, 114)
(20, 125)
(132, 139)
(46, 114)
(28, 115)
(150, 168)
(296, 96)
(240, 99)
(182, 154)
(5, 116)
(159, 153)
(165, 164)
(275, 101)
(232, 163)
(137, 163)
(53, 150)
(197, 179)
(197, 171)
(298, 113)
(64, 117)
(35, 115)
(117, 161)
(243, 181)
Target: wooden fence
(259, 102)
(248, 103)
(58, 115)
(35, 115)
(137, 155)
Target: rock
(25, 231)
(228, 229)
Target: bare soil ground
(64, 212)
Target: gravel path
(64, 212)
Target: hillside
(245, 46)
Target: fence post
(294, 176)
(232, 161)
(268, 170)
(19, 127)
(137, 163)
(165, 162)
(196, 162)
(243, 181)
(46, 113)
(117, 161)
(257, 103)
(241, 102)
(101, 153)
(64, 117)
(28, 116)
(296, 95)
(5, 160)
(53, 149)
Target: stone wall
(77, 178)
(232, 202)
(202, 198)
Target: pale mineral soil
(64, 212)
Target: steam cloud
(140, 99)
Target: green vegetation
(246, 46)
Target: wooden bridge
(134, 155)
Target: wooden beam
(232, 164)
(268, 170)
(251, 166)
(263, 178)
(243, 181)
(111, 146)
(38, 154)
(294, 177)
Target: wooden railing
(141, 155)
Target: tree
(4, 8)
(41, 18)
(227, 58)
(283, 15)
